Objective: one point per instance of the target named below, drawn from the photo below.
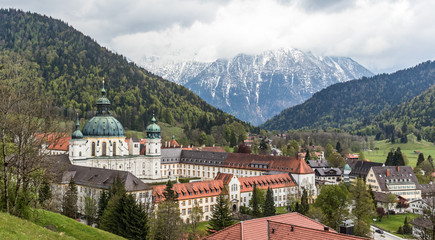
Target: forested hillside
(356, 103)
(70, 67)
(416, 116)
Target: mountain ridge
(257, 87)
(355, 103)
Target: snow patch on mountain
(255, 88)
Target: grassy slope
(408, 149)
(70, 227)
(12, 227)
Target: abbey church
(101, 143)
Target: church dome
(103, 124)
(153, 130)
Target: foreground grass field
(12, 227)
(409, 149)
(393, 223)
(69, 227)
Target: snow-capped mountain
(254, 88)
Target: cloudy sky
(384, 36)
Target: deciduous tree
(333, 201)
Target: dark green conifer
(221, 217)
(269, 204)
(69, 204)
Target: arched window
(93, 149)
(114, 149)
(104, 149)
(80, 154)
(156, 150)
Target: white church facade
(101, 143)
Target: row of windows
(103, 149)
(195, 201)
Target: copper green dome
(103, 124)
(153, 130)
(77, 134)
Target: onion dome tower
(154, 143)
(103, 124)
(77, 145)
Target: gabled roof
(317, 163)
(282, 231)
(394, 175)
(266, 181)
(381, 197)
(258, 229)
(61, 168)
(190, 190)
(362, 168)
(225, 177)
(327, 171)
(55, 141)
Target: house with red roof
(279, 227)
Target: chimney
(398, 169)
(326, 228)
(388, 172)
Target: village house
(360, 169)
(328, 176)
(399, 180)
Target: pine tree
(69, 204)
(221, 217)
(269, 204)
(169, 192)
(44, 193)
(122, 215)
(307, 156)
(253, 203)
(102, 204)
(304, 207)
(407, 229)
(364, 208)
(338, 147)
(420, 159)
(390, 159)
(132, 218)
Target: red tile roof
(265, 181)
(190, 190)
(225, 177)
(56, 141)
(282, 231)
(257, 228)
(274, 163)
